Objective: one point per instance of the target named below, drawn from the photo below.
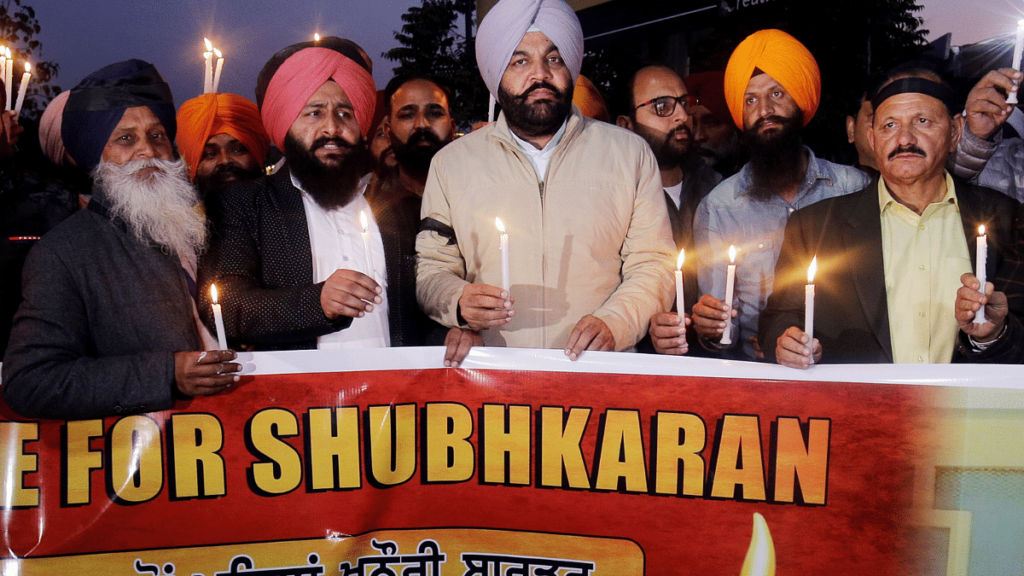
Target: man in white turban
(589, 248)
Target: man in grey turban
(589, 249)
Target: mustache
(776, 119)
(324, 141)
(423, 135)
(541, 86)
(908, 149)
(681, 128)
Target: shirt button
(760, 245)
(922, 226)
(922, 314)
(921, 266)
(920, 358)
(345, 258)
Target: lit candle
(3, 62)
(506, 282)
(218, 319)
(1018, 50)
(316, 37)
(809, 301)
(366, 243)
(979, 270)
(23, 89)
(8, 77)
(208, 69)
(679, 283)
(220, 66)
(730, 283)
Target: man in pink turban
(290, 259)
(772, 87)
(589, 250)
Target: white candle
(9, 77)
(979, 270)
(506, 281)
(490, 108)
(220, 66)
(218, 319)
(809, 301)
(367, 254)
(208, 68)
(23, 89)
(730, 284)
(680, 305)
(3, 62)
(1018, 50)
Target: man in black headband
(895, 260)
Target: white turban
(505, 25)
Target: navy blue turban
(97, 104)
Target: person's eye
(751, 99)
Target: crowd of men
(329, 215)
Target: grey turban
(507, 23)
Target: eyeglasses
(666, 105)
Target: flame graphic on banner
(760, 560)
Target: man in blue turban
(108, 315)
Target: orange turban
(780, 56)
(212, 114)
(588, 99)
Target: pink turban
(50, 139)
(506, 24)
(301, 75)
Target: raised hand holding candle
(23, 89)
(220, 67)
(979, 268)
(506, 281)
(367, 254)
(730, 284)
(809, 301)
(679, 283)
(1018, 51)
(218, 319)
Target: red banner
(485, 471)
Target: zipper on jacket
(540, 185)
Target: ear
(386, 125)
(871, 137)
(851, 129)
(624, 122)
(956, 129)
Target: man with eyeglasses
(656, 106)
(772, 87)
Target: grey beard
(159, 208)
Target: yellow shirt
(924, 257)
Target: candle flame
(213, 293)
(1020, 23)
(681, 259)
(8, 50)
(732, 254)
(28, 67)
(981, 230)
(760, 560)
(500, 225)
(316, 37)
(209, 46)
(207, 55)
(812, 270)
(218, 53)
(363, 221)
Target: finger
(676, 346)
(488, 316)
(485, 301)
(789, 358)
(575, 345)
(348, 304)
(711, 302)
(707, 316)
(357, 278)
(356, 290)
(465, 343)
(791, 344)
(600, 340)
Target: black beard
(542, 118)
(414, 157)
(331, 185)
(776, 158)
(669, 153)
(220, 180)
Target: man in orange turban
(772, 88)
(221, 138)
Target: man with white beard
(108, 324)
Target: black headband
(915, 85)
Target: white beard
(159, 208)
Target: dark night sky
(84, 35)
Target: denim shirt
(730, 216)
